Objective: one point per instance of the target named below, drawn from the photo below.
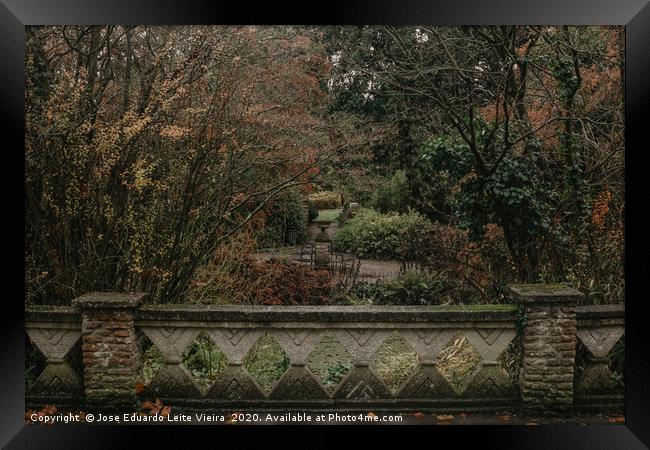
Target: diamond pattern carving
(426, 383)
(298, 384)
(53, 343)
(171, 342)
(57, 379)
(297, 343)
(427, 343)
(362, 384)
(431, 363)
(597, 379)
(204, 360)
(491, 342)
(235, 342)
(329, 361)
(600, 340)
(235, 384)
(490, 381)
(173, 381)
(361, 342)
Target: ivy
(515, 185)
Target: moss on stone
(545, 288)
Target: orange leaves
(292, 284)
(488, 112)
(137, 127)
(174, 132)
(600, 209)
(600, 85)
(232, 418)
(466, 260)
(157, 407)
(47, 410)
(139, 388)
(237, 198)
(445, 418)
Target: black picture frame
(634, 14)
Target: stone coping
(600, 315)
(42, 313)
(109, 300)
(265, 314)
(544, 293)
(232, 313)
(52, 314)
(601, 311)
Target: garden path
(370, 269)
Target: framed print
(398, 218)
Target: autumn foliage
(294, 284)
(147, 147)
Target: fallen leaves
(47, 410)
(617, 419)
(232, 418)
(139, 388)
(445, 418)
(152, 408)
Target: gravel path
(370, 270)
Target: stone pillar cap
(109, 300)
(544, 293)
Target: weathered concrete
(112, 361)
(324, 314)
(55, 331)
(52, 314)
(600, 327)
(544, 293)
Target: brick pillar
(111, 356)
(549, 345)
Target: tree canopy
(147, 146)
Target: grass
(329, 361)
(329, 214)
(457, 361)
(395, 361)
(266, 362)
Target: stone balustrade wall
(113, 328)
(599, 329)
